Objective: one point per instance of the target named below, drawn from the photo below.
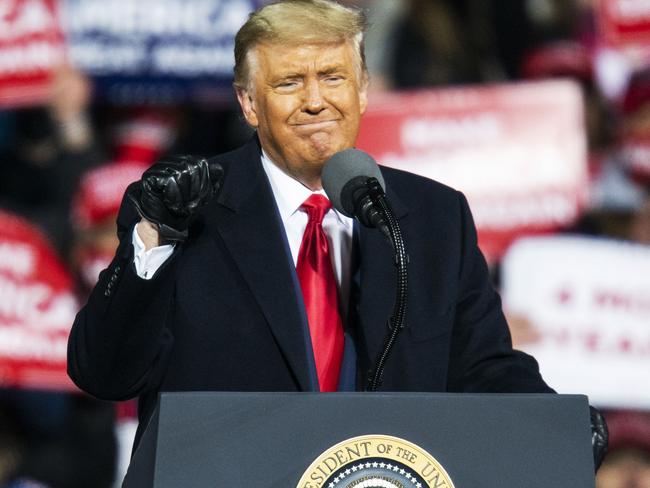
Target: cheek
(279, 109)
(350, 107)
(348, 103)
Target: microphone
(353, 183)
(356, 188)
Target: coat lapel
(249, 224)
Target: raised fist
(172, 191)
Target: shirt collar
(289, 193)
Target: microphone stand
(396, 320)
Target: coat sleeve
(119, 343)
(482, 358)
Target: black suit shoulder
(433, 203)
(407, 181)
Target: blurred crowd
(65, 165)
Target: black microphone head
(348, 166)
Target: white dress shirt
(289, 195)
(148, 262)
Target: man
(230, 306)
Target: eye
(333, 79)
(287, 85)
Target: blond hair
(296, 22)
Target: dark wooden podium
(270, 439)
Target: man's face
(306, 103)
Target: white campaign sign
(590, 300)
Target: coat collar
(248, 221)
(246, 176)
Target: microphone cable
(396, 322)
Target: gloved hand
(599, 436)
(172, 191)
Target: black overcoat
(225, 313)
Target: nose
(314, 102)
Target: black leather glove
(172, 190)
(599, 436)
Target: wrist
(149, 234)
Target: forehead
(274, 59)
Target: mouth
(316, 125)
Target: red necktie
(319, 292)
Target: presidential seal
(375, 461)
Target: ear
(363, 94)
(247, 104)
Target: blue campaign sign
(155, 50)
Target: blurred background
(538, 110)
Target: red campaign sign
(36, 310)
(517, 151)
(624, 22)
(31, 45)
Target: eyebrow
(287, 76)
(328, 70)
(331, 69)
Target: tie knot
(316, 207)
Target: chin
(325, 152)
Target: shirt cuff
(148, 262)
